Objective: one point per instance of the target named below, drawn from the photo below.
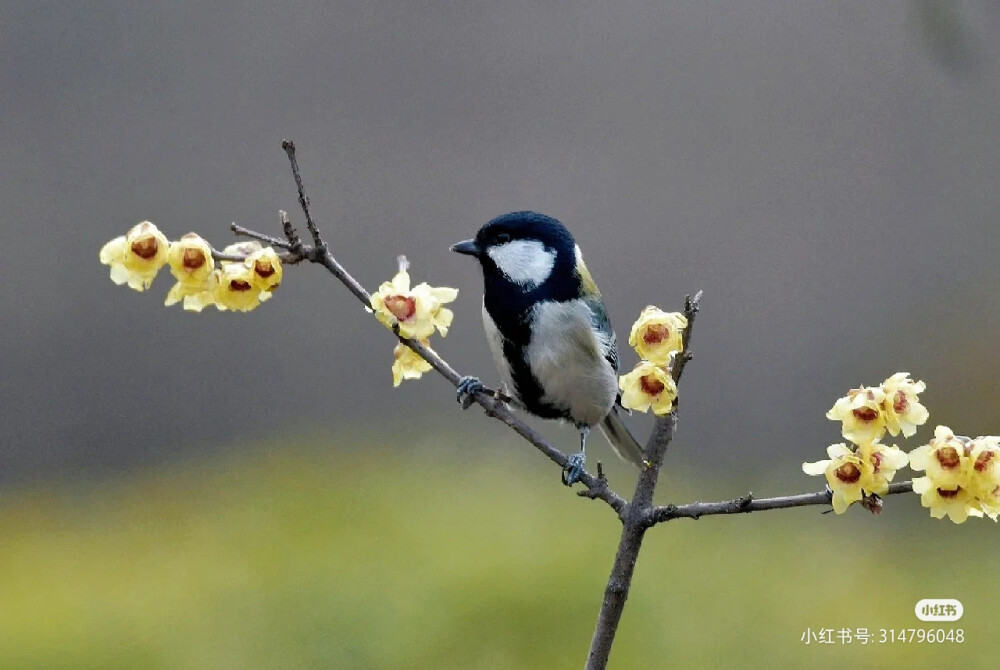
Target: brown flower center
(239, 285)
(263, 268)
(900, 403)
(145, 248)
(948, 494)
(983, 461)
(655, 334)
(651, 385)
(848, 473)
(876, 460)
(402, 307)
(193, 259)
(948, 457)
(865, 414)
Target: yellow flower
(984, 475)
(860, 412)
(955, 502)
(196, 296)
(235, 289)
(944, 459)
(648, 386)
(844, 472)
(190, 259)
(266, 267)
(656, 336)
(903, 412)
(137, 256)
(192, 265)
(881, 462)
(418, 311)
(408, 364)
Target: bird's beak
(467, 247)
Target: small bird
(548, 330)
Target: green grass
(293, 559)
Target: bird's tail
(620, 438)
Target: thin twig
(269, 239)
(748, 503)
(318, 242)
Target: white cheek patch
(524, 262)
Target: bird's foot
(468, 386)
(573, 469)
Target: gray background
(825, 171)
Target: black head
(525, 252)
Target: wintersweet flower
(903, 411)
(944, 459)
(418, 311)
(191, 263)
(196, 296)
(267, 270)
(235, 289)
(190, 259)
(955, 502)
(408, 364)
(881, 462)
(656, 336)
(861, 414)
(648, 386)
(844, 472)
(984, 474)
(137, 256)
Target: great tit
(548, 329)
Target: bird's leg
(573, 469)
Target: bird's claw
(468, 386)
(573, 469)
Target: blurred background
(249, 491)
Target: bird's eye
(503, 238)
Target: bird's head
(526, 251)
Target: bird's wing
(607, 340)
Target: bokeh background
(249, 491)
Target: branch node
(294, 241)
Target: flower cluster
(413, 313)
(657, 336)
(866, 414)
(856, 474)
(136, 258)
(962, 475)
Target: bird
(548, 330)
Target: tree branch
(748, 503)
(635, 515)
